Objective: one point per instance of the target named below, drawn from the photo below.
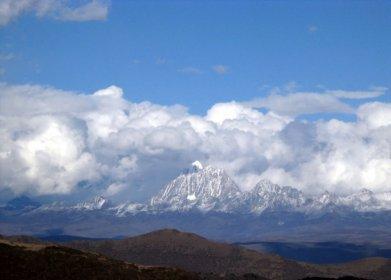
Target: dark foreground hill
(23, 257)
(194, 253)
(44, 261)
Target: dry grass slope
(194, 253)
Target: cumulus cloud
(375, 114)
(62, 140)
(57, 9)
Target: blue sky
(165, 51)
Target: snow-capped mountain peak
(327, 198)
(266, 195)
(364, 200)
(207, 189)
(97, 203)
(126, 208)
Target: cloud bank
(53, 142)
(57, 9)
(295, 103)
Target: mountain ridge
(206, 201)
(206, 188)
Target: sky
(117, 97)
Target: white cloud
(220, 69)
(190, 70)
(94, 10)
(375, 114)
(62, 10)
(114, 189)
(161, 61)
(294, 104)
(366, 94)
(312, 29)
(110, 92)
(62, 139)
(291, 102)
(6, 56)
(136, 61)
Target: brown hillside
(194, 253)
(40, 261)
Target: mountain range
(207, 201)
(211, 189)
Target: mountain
(21, 203)
(129, 208)
(362, 201)
(97, 203)
(191, 252)
(210, 189)
(205, 200)
(203, 189)
(365, 200)
(94, 204)
(268, 196)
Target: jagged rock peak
(96, 203)
(265, 185)
(327, 196)
(209, 188)
(268, 196)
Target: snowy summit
(197, 166)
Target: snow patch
(191, 197)
(197, 166)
